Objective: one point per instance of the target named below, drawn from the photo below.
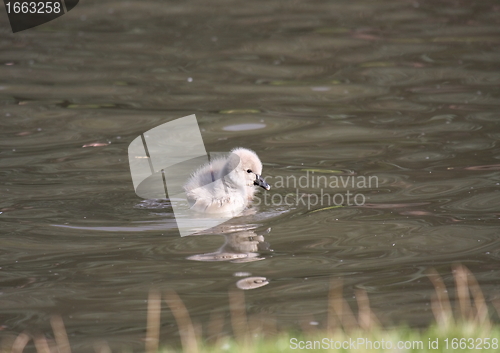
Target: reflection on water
(238, 247)
(404, 91)
(252, 283)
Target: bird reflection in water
(240, 246)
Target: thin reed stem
(153, 322)
(186, 328)
(238, 314)
(60, 334)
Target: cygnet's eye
(249, 170)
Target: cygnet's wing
(205, 175)
(205, 190)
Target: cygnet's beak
(261, 182)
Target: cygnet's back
(225, 185)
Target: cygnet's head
(244, 168)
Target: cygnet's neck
(230, 177)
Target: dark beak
(261, 182)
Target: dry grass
(341, 315)
(472, 306)
(248, 332)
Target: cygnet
(226, 185)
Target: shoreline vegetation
(465, 328)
